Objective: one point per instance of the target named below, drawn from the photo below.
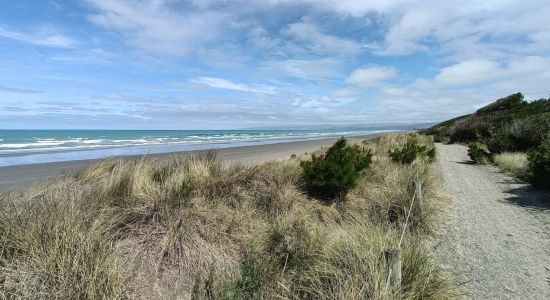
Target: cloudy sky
(235, 64)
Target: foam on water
(37, 146)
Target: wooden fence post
(419, 205)
(393, 259)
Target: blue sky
(205, 64)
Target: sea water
(41, 146)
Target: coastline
(18, 176)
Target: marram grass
(515, 163)
(194, 228)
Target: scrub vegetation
(509, 124)
(194, 227)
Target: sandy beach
(15, 177)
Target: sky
(206, 64)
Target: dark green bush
(430, 153)
(410, 151)
(520, 135)
(479, 153)
(440, 138)
(334, 173)
(514, 101)
(500, 142)
(539, 165)
(463, 135)
(508, 124)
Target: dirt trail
(497, 236)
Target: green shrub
(440, 138)
(514, 101)
(334, 173)
(479, 153)
(520, 134)
(539, 166)
(410, 151)
(509, 124)
(499, 143)
(463, 135)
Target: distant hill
(356, 127)
(508, 124)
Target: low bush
(439, 138)
(509, 124)
(410, 151)
(334, 173)
(539, 166)
(479, 153)
(513, 162)
(499, 143)
(202, 229)
(514, 101)
(520, 135)
(463, 135)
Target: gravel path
(496, 239)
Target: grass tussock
(194, 228)
(515, 163)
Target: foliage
(202, 229)
(410, 151)
(463, 135)
(539, 165)
(520, 134)
(514, 101)
(509, 124)
(478, 153)
(334, 173)
(440, 138)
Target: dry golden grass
(192, 228)
(513, 162)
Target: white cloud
(345, 93)
(155, 26)
(406, 34)
(303, 39)
(310, 69)
(9, 89)
(220, 83)
(44, 38)
(161, 26)
(371, 76)
(463, 87)
(470, 71)
(467, 29)
(293, 57)
(309, 36)
(478, 71)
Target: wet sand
(17, 177)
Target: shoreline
(18, 176)
(15, 157)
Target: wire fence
(395, 261)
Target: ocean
(19, 147)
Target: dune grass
(195, 228)
(515, 163)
